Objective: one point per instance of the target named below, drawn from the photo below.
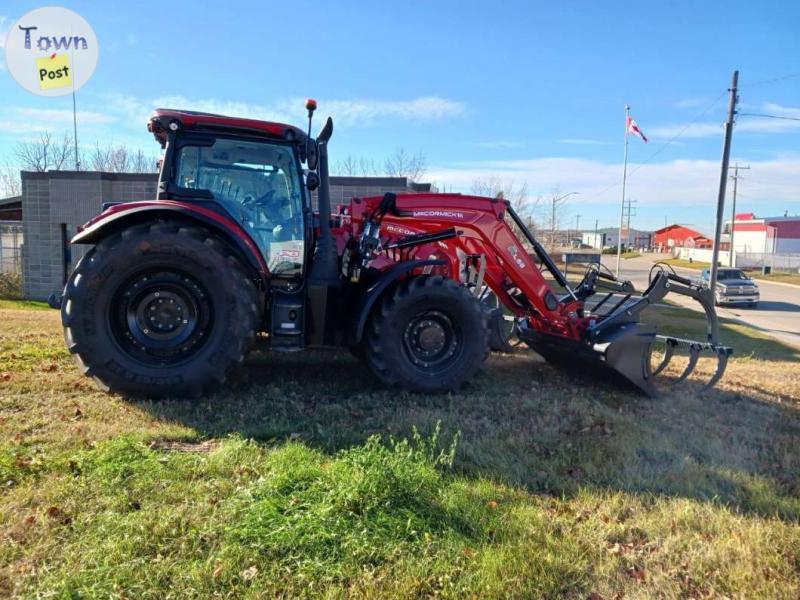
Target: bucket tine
(722, 362)
(668, 352)
(694, 355)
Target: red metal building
(679, 235)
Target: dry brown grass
(562, 486)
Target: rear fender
(121, 216)
(376, 290)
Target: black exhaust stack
(324, 276)
(325, 266)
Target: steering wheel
(261, 199)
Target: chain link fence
(11, 240)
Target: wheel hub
(162, 316)
(430, 340)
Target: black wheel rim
(161, 317)
(432, 341)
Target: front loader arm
(458, 229)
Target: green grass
(630, 255)
(304, 478)
(681, 262)
(793, 278)
(23, 305)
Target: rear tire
(160, 310)
(428, 335)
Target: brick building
(55, 203)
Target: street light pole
(556, 200)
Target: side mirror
(312, 180)
(312, 154)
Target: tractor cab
(251, 170)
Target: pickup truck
(733, 287)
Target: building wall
(55, 203)
(674, 236)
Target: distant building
(768, 234)
(11, 209)
(593, 240)
(679, 236)
(631, 238)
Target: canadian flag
(634, 128)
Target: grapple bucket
(622, 344)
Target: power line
(769, 116)
(770, 80)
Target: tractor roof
(164, 119)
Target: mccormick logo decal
(51, 51)
(448, 214)
(401, 230)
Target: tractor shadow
(525, 423)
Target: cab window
(259, 185)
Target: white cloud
(677, 183)
(5, 24)
(21, 120)
(499, 145)
(355, 112)
(130, 113)
(583, 142)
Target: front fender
(122, 216)
(375, 291)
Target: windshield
(730, 274)
(259, 185)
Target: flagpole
(624, 181)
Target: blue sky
(525, 91)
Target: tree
(403, 164)
(354, 167)
(10, 184)
(517, 195)
(120, 159)
(46, 153)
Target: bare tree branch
(46, 153)
(120, 159)
(10, 184)
(517, 195)
(403, 164)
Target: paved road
(778, 312)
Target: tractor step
(287, 320)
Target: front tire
(159, 310)
(428, 335)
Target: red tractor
(176, 290)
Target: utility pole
(578, 227)
(735, 177)
(556, 200)
(596, 222)
(723, 177)
(627, 209)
